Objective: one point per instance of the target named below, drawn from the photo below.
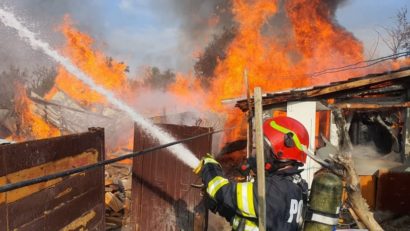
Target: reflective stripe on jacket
(283, 199)
(248, 225)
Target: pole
(249, 143)
(260, 159)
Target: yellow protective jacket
(238, 202)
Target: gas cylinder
(324, 202)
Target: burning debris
(117, 196)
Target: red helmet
(286, 137)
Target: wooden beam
(249, 143)
(328, 90)
(370, 105)
(358, 83)
(260, 160)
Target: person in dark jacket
(286, 192)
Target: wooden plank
(370, 105)
(353, 84)
(376, 99)
(249, 134)
(260, 159)
(113, 202)
(359, 83)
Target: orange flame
(103, 70)
(30, 125)
(315, 43)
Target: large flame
(313, 42)
(309, 41)
(30, 125)
(319, 41)
(104, 70)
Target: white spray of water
(179, 150)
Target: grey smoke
(44, 16)
(334, 4)
(194, 15)
(182, 29)
(186, 24)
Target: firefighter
(284, 139)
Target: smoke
(45, 16)
(181, 29)
(165, 103)
(163, 33)
(195, 16)
(197, 21)
(367, 160)
(333, 5)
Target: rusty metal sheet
(39, 225)
(393, 192)
(71, 201)
(3, 214)
(35, 153)
(73, 210)
(162, 196)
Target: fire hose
(12, 186)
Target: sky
(365, 18)
(154, 32)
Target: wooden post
(249, 143)
(260, 159)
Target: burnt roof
(387, 89)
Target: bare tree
(398, 36)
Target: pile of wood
(117, 196)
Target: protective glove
(208, 158)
